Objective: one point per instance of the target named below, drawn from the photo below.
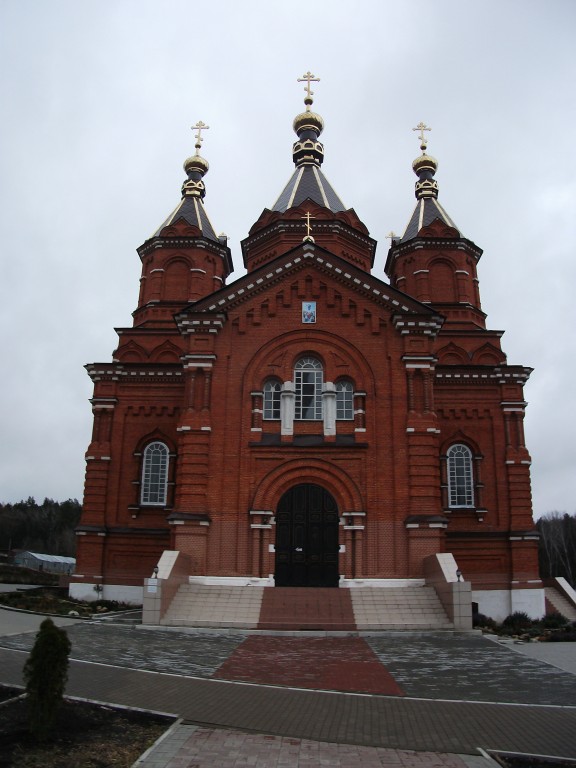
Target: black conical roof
(192, 210)
(308, 182)
(427, 210)
(191, 206)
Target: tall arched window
(460, 477)
(344, 400)
(308, 380)
(272, 391)
(154, 474)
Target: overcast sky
(97, 102)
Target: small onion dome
(195, 168)
(425, 163)
(425, 168)
(308, 121)
(196, 163)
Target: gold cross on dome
(422, 127)
(308, 216)
(200, 126)
(308, 78)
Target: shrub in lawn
(517, 623)
(46, 674)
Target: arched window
(460, 478)
(344, 400)
(308, 379)
(272, 390)
(154, 474)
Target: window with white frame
(308, 380)
(272, 393)
(460, 476)
(154, 474)
(344, 401)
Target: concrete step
(560, 603)
(199, 605)
(398, 608)
(307, 609)
(298, 609)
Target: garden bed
(55, 600)
(86, 735)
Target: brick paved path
(379, 721)
(321, 663)
(432, 666)
(199, 747)
(436, 665)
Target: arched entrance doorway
(306, 538)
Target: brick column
(426, 536)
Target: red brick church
(310, 423)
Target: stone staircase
(560, 603)
(291, 609)
(199, 605)
(398, 608)
(294, 609)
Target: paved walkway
(457, 691)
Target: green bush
(46, 674)
(517, 623)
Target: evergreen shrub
(46, 674)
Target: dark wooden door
(307, 538)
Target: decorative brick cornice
(436, 243)
(426, 521)
(188, 324)
(408, 325)
(487, 375)
(192, 518)
(183, 243)
(132, 371)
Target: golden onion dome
(425, 163)
(308, 121)
(196, 163)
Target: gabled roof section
(352, 279)
(308, 182)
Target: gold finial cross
(308, 225)
(423, 140)
(391, 235)
(200, 126)
(308, 78)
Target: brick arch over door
(332, 478)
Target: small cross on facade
(391, 236)
(200, 126)
(308, 78)
(308, 216)
(422, 127)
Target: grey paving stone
(182, 653)
(444, 665)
